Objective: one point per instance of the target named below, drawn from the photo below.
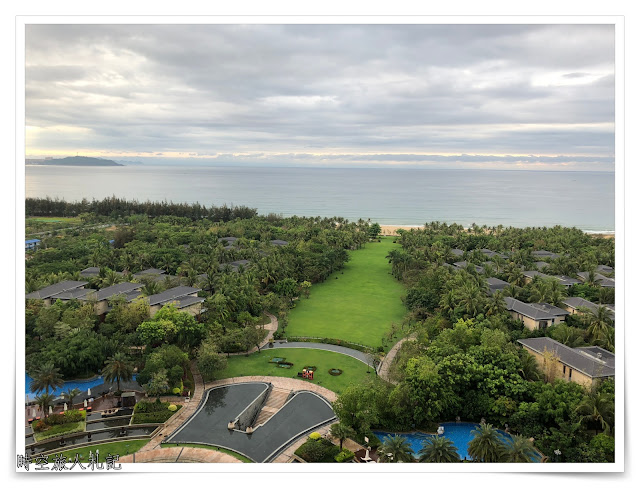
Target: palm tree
(597, 408)
(395, 449)
(598, 320)
(43, 401)
(486, 445)
(46, 377)
(529, 367)
(518, 449)
(70, 394)
(439, 449)
(117, 368)
(342, 432)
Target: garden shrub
(344, 456)
(172, 408)
(176, 391)
(318, 451)
(315, 436)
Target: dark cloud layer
(340, 92)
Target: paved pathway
(182, 415)
(271, 327)
(360, 356)
(383, 369)
(277, 382)
(179, 455)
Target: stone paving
(385, 364)
(182, 415)
(272, 327)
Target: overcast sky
(475, 96)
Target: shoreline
(391, 230)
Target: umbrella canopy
(65, 407)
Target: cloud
(340, 89)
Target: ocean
(398, 196)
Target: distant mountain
(73, 161)
(130, 163)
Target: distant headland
(72, 161)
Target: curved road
(360, 356)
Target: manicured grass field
(358, 306)
(258, 364)
(242, 458)
(121, 448)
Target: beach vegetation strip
(356, 304)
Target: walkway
(283, 383)
(360, 356)
(182, 415)
(179, 455)
(385, 365)
(271, 327)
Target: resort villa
(496, 284)
(185, 298)
(535, 315)
(600, 279)
(30, 244)
(583, 365)
(49, 293)
(576, 305)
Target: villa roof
(72, 294)
(228, 239)
(592, 361)
(535, 311)
(150, 271)
(172, 294)
(604, 268)
(541, 253)
(111, 291)
(533, 273)
(541, 265)
(464, 264)
(496, 284)
(566, 280)
(278, 242)
(31, 241)
(186, 301)
(457, 252)
(49, 291)
(578, 302)
(92, 271)
(236, 264)
(600, 279)
(489, 253)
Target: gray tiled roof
(533, 273)
(92, 271)
(600, 279)
(578, 302)
(541, 265)
(150, 271)
(496, 283)
(49, 291)
(111, 291)
(72, 294)
(186, 301)
(228, 239)
(566, 280)
(489, 253)
(535, 311)
(172, 294)
(457, 252)
(278, 242)
(545, 254)
(463, 265)
(583, 359)
(604, 268)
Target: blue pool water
(82, 385)
(459, 433)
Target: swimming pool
(81, 385)
(459, 432)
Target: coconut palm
(395, 449)
(597, 408)
(486, 445)
(44, 401)
(439, 449)
(342, 432)
(70, 394)
(117, 368)
(518, 449)
(529, 367)
(599, 320)
(46, 377)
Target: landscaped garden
(121, 448)
(258, 364)
(153, 412)
(357, 304)
(58, 424)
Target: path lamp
(558, 453)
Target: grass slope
(358, 306)
(258, 364)
(121, 448)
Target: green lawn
(122, 448)
(57, 430)
(242, 458)
(258, 364)
(358, 306)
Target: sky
(442, 96)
